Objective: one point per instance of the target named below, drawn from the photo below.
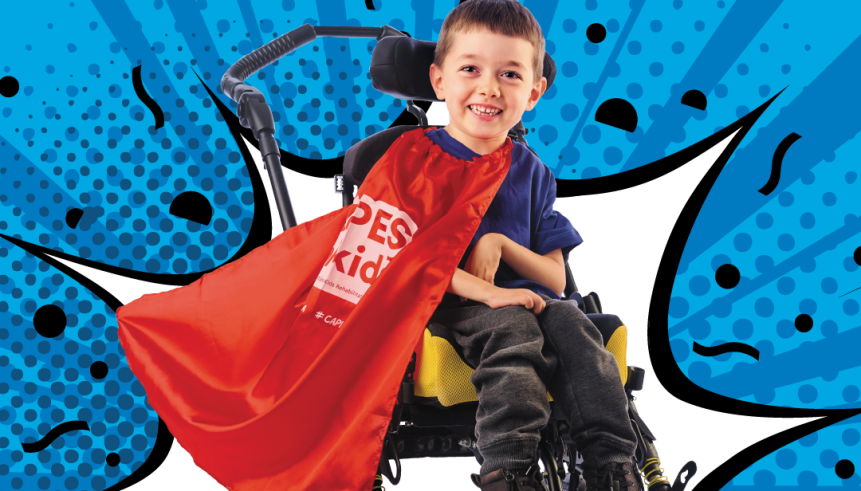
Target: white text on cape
(369, 241)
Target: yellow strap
(657, 469)
(380, 487)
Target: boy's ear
(537, 91)
(436, 82)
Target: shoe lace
(608, 472)
(605, 477)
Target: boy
(489, 58)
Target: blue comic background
(119, 151)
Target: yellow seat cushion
(444, 376)
(618, 346)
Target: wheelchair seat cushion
(443, 375)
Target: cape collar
(437, 151)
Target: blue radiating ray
(60, 362)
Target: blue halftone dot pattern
(738, 55)
(69, 367)
(807, 463)
(793, 245)
(728, 64)
(78, 137)
(779, 283)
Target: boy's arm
(549, 269)
(467, 285)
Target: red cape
(280, 370)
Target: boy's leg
(587, 386)
(505, 345)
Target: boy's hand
(484, 259)
(500, 297)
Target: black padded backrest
(362, 156)
(400, 66)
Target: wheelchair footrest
(412, 442)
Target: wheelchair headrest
(400, 67)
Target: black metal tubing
(550, 467)
(255, 113)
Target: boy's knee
(566, 308)
(564, 316)
(521, 323)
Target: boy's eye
(515, 73)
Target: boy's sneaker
(611, 477)
(505, 480)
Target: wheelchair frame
(416, 429)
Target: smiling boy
(503, 303)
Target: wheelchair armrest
(592, 304)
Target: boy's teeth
(479, 111)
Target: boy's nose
(488, 87)
(489, 90)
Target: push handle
(253, 111)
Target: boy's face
(490, 78)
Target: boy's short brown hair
(506, 17)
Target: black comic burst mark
(617, 113)
(193, 206)
(656, 169)
(727, 276)
(756, 452)
(844, 469)
(99, 370)
(261, 226)
(726, 348)
(8, 86)
(49, 321)
(164, 438)
(145, 98)
(803, 323)
(596, 33)
(55, 433)
(73, 216)
(777, 161)
(695, 99)
(112, 459)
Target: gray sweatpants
(518, 357)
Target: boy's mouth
(484, 116)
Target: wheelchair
(435, 411)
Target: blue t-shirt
(522, 210)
